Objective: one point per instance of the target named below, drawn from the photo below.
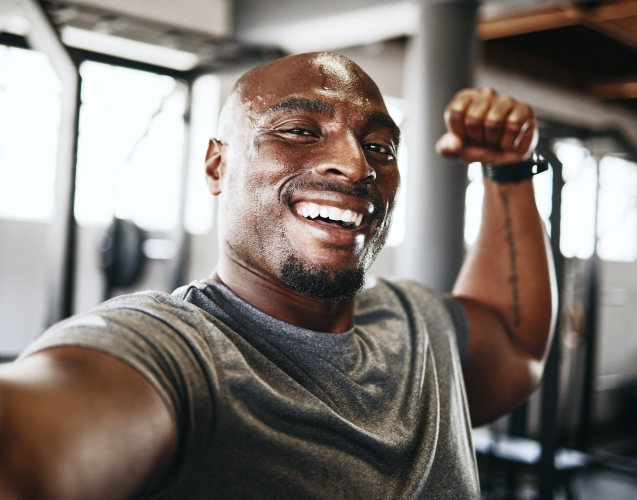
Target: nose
(346, 159)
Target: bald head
(305, 133)
(329, 74)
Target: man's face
(311, 175)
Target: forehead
(328, 77)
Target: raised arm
(507, 282)
(77, 423)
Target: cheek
(252, 211)
(389, 186)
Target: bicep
(499, 373)
(78, 423)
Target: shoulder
(443, 318)
(148, 301)
(145, 309)
(131, 327)
(412, 301)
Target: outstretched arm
(77, 423)
(507, 282)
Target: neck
(276, 299)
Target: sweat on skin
(296, 135)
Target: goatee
(320, 282)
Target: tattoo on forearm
(513, 279)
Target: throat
(283, 302)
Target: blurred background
(106, 107)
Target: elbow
(529, 378)
(535, 374)
(528, 381)
(501, 394)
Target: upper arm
(499, 372)
(78, 423)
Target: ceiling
(585, 46)
(178, 35)
(209, 17)
(589, 47)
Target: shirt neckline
(278, 331)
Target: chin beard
(322, 283)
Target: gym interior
(106, 108)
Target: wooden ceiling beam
(611, 91)
(609, 28)
(561, 16)
(528, 22)
(615, 10)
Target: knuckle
(461, 99)
(473, 115)
(514, 125)
(530, 112)
(492, 125)
(472, 123)
(522, 111)
(477, 110)
(465, 93)
(454, 109)
(456, 106)
(504, 101)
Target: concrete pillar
(438, 64)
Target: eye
(381, 150)
(297, 131)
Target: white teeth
(314, 211)
(335, 213)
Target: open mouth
(329, 215)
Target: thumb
(449, 145)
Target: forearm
(509, 269)
(77, 423)
(18, 480)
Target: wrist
(515, 172)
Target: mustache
(363, 192)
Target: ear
(215, 166)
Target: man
(274, 379)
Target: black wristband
(516, 172)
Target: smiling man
(283, 375)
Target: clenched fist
(485, 126)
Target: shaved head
(254, 87)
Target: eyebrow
(382, 120)
(300, 104)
